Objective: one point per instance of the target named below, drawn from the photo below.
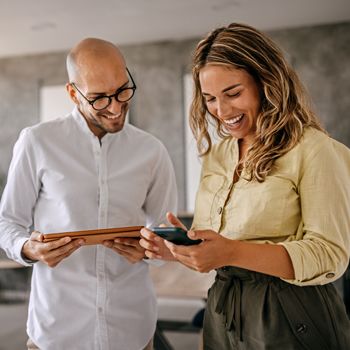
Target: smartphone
(176, 235)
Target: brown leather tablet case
(97, 236)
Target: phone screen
(176, 235)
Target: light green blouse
(304, 204)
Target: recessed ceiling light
(42, 26)
(225, 5)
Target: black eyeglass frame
(115, 95)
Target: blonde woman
(273, 204)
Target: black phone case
(176, 235)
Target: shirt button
(100, 310)
(330, 275)
(220, 210)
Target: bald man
(87, 170)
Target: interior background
(320, 54)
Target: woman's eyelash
(234, 94)
(227, 94)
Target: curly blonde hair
(285, 108)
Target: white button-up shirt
(62, 179)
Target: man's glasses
(102, 102)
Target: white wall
(193, 162)
(54, 102)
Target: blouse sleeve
(321, 255)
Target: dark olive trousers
(252, 311)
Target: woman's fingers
(175, 221)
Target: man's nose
(115, 107)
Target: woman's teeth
(234, 120)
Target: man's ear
(72, 93)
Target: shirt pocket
(258, 209)
(207, 195)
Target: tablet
(96, 236)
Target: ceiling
(38, 26)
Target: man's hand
(129, 248)
(50, 253)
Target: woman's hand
(154, 245)
(215, 251)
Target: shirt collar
(79, 118)
(81, 121)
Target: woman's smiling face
(233, 97)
